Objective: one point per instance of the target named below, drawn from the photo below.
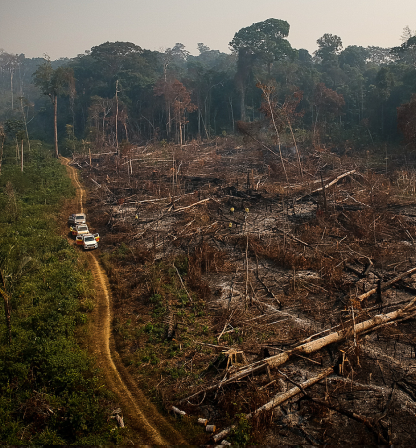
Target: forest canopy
(120, 92)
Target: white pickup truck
(77, 218)
(88, 241)
(81, 229)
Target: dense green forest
(119, 91)
(50, 392)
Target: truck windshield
(89, 238)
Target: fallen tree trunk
(337, 179)
(324, 187)
(386, 285)
(313, 346)
(277, 400)
(338, 336)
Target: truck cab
(81, 229)
(77, 218)
(90, 241)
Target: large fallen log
(277, 400)
(313, 346)
(386, 285)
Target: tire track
(141, 414)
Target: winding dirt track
(140, 415)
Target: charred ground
(217, 260)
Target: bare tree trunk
(117, 114)
(25, 122)
(21, 157)
(2, 138)
(242, 104)
(277, 400)
(11, 86)
(232, 112)
(267, 95)
(55, 123)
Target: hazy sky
(65, 28)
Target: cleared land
(219, 261)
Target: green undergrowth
(159, 332)
(50, 392)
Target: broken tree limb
(243, 373)
(369, 422)
(313, 346)
(293, 237)
(277, 400)
(178, 411)
(386, 285)
(268, 291)
(337, 179)
(192, 205)
(183, 286)
(280, 398)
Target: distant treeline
(120, 92)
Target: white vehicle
(79, 230)
(77, 218)
(90, 241)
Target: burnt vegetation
(223, 255)
(256, 214)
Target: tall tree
(329, 46)
(10, 63)
(406, 117)
(53, 83)
(264, 41)
(178, 97)
(328, 105)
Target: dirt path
(140, 415)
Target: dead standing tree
(282, 116)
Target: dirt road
(139, 414)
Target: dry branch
(311, 347)
(386, 285)
(192, 205)
(183, 286)
(337, 179)
(277, 400)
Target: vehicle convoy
(79, 230)
(77, 218)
